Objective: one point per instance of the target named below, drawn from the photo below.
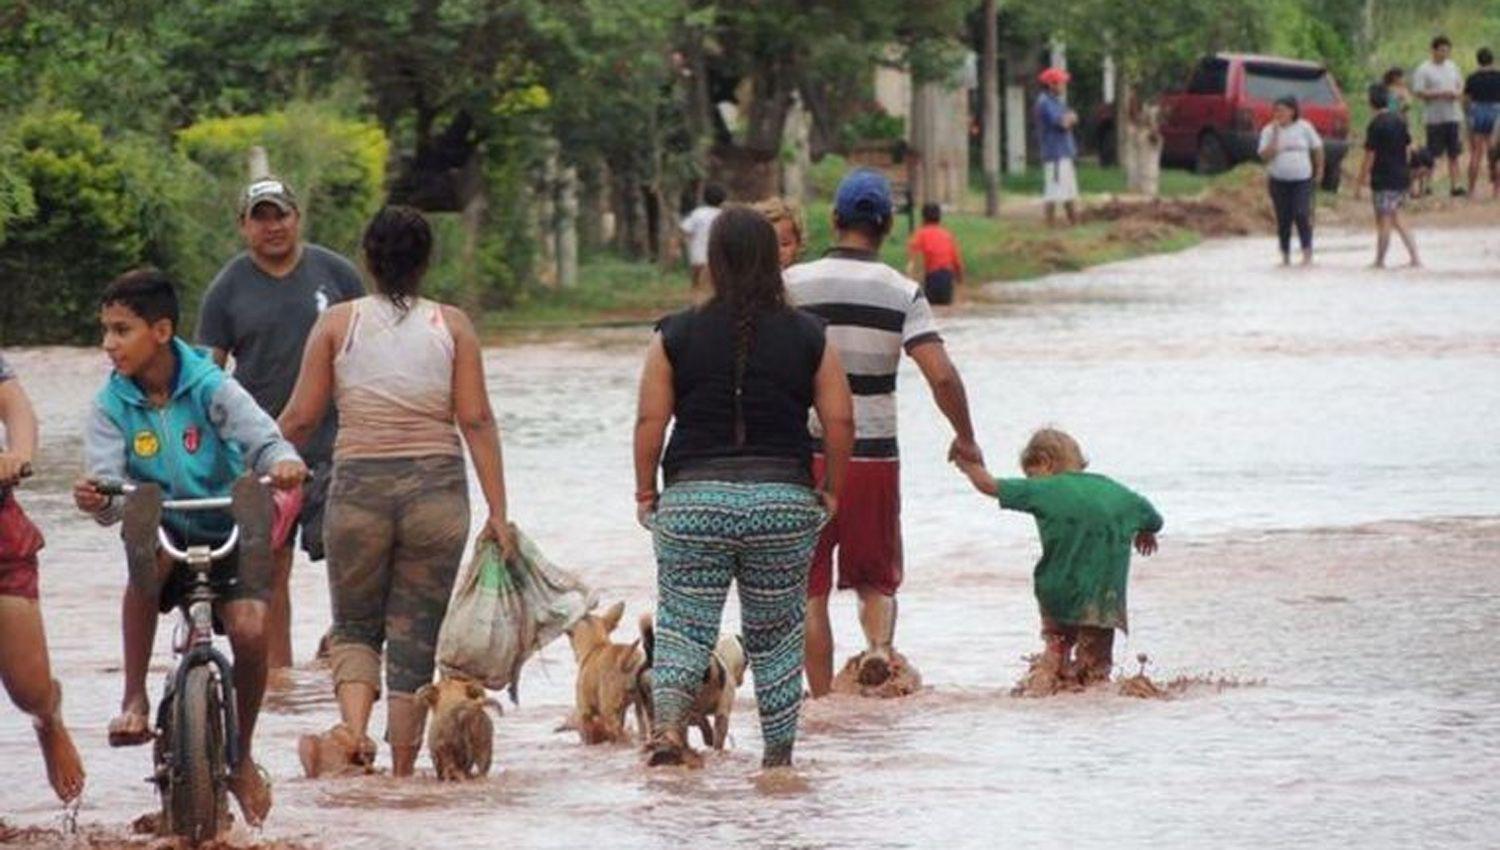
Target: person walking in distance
(695, 229)
(1439, 84)
(259, 309)
(874, 314)
(1385, 170)
(1482, 94)
(935, 247)
(1059, 150)
(1293, 152)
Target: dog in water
(715, 700)
(607, 677)
(460, 734)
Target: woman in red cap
(1056, 120)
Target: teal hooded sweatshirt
(208, 433)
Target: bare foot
(1414, 264)
(252, 789)
(64, 767)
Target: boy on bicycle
(169, 417)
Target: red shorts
(866, 532)
(19, 543)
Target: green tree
(83, 229)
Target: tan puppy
(715, 700)
(460, 735)
(607, 674)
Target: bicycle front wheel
(198, 798)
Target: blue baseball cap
(863, 195)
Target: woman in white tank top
(407, 379)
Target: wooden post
(989, 80)
(567, 227)
(259, 165)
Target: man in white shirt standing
(1439, 84)
(695, 228)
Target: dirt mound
(904, 680)
(1235, 205)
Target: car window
(1211, 77)
(1309, 85)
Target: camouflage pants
(395, 531)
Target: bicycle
(196, 746)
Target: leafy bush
(823, 178)
(874, 125)
(336, 165)
(81, 227)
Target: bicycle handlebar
(212, 503)
(216, 554)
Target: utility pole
(990, 84)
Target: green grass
(610, 289)
(1095, 179)
(1012, 248)
(615, 290)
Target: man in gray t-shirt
(1440, 85)
(260, 309)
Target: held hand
(12, 468)
(1145, 543)
(498, 530)
(645, 514)
(830, 503)
(962, 450)
(87, 496)
(287, 474)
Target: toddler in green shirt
(1087, 523)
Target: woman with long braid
(738, 375)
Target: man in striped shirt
(874, 313)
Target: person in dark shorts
(1439, 84)
(170, 420)
(874, 314)
(1482, 95)
(1385, 170)
(259, 309)
(937, 250)
(25, 667)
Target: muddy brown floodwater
(1323, 445)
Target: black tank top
(776, 393)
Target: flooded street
(1323, 446)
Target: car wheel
(1213, 157)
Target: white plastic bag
(503, 613)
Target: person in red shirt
(942, 264)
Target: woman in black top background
(737, 378)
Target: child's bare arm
(979, 477)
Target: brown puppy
(607, 674)
(715, 699)
(460, 735)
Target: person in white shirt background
(1293, 153)
(1439, 84)
(695, 228)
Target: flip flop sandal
(254, 815)
(130, 737)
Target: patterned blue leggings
(762, 537)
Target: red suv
(1215, 122)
